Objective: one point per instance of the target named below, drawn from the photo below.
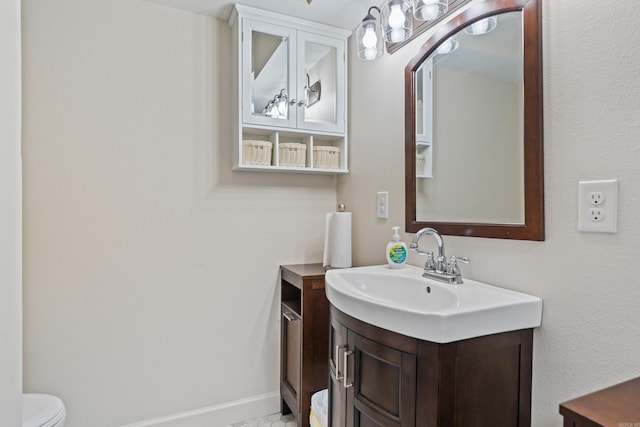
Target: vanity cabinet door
(337, 391)
(371, 384)
(291, 344)
(384, 385)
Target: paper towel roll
(337, 240)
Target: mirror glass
(473, 124)
(269, 75)
(320, 85)
(469, 126)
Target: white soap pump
(396, 250)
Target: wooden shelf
(615, 406)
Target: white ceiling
(345, 14)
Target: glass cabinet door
(424, 102)
(321, 80)
(268, 74)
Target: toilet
(42, 410)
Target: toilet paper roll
(337, 240)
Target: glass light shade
(283, 104)
(396, 21)
(270, 110)
(428, 10)
(482, 26)
(370, 41)
(448, 46)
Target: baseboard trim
(219, 415)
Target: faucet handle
(430, 264)
(452, 265)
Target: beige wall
(589, 336)
(10, 217)
(150, 270)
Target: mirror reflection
(320, 88)
(270, 80)
(269, 75)
(469, 126)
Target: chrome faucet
(439, 269)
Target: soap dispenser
(396, 250)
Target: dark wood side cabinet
(616, 406)
(304, 338)
(379, 378)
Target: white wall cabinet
(290, 90)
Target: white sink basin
(403, 301)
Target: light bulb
(370, 39)
(370, 53)
(396, 35)
(448, 46)
(430, 12)
(480, 27)
(396, 16)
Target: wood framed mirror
(468, 184)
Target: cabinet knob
(292, 102)
(301, 103)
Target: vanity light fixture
(278, 107)
(396, 20)
(370, 40)
(396, 24)
(482, 26)
(282, 102)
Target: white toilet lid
(41, 410)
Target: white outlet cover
(608, 222)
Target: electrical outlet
(598, 206)
(595, 197)
(382, 205)
(595, 214)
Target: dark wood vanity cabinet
(304, 337)
(615, 406)
(381, 378)
(371, 384)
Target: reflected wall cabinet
(289, 95)
(424, 120)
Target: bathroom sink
(403, 301)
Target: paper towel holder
(337, 241)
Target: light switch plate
(382, 205)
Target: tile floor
(275, 420)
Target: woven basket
(326, 157)
(256, 152)
(292, 154)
